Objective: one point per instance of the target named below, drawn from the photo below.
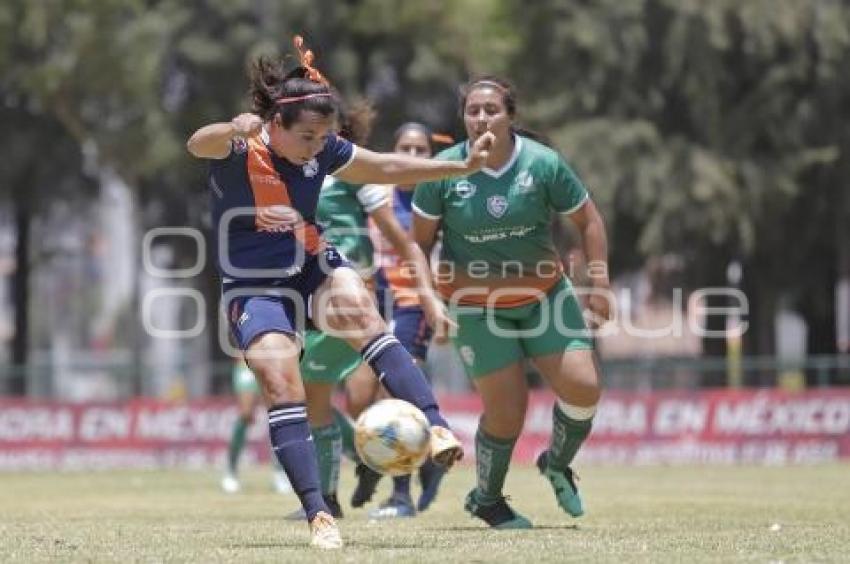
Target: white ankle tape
(575, 412)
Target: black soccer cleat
(498, 515)
(333, 504)
(430, 476)
(367, 483)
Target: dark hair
(505, 88)
(509, 99)
(412, 126)
(271, 86)
(440, 138)
(355, 121)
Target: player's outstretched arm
(396, 168)
(213, 141)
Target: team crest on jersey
(311, 168)
(240, 146)
(497, 206)
(465, 189)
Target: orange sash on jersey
(270, 190)
(512, 291)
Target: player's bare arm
(589, 222)
(396, 168)
(213, 141)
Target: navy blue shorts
(412, 331)
(279, 304)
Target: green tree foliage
(704, 128)
(714, 130)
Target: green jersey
(342, 213)
(497, 223)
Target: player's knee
(584, 393)
(279, 384)
(354, 313)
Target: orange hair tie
(307, 58)
(442, 138)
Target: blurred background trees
(714, 132)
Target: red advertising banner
(707, 427)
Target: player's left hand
(599, 302)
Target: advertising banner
(705, 427)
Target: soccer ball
(393, 437)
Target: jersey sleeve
(338, 153)
(227, 171)
(238, 147)
(373, 196)
(565, 191)
(427, 200)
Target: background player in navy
(266, 171)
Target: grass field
(758, 514)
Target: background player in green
(342, 211)
(399, 296)
(505, 284)
(247, 397)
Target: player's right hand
(480, 151)
(438, 318)
(246, 125)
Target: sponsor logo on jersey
(332, 254)
(311, 168)
(313, 365)
(497, 206)
(264, 179)
(465, 189)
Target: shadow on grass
(349, 543)
(479, 529)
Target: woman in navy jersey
(278, 274)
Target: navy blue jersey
(251, 179)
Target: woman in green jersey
(505, 286)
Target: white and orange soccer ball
(393, 437)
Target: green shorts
(488, 340)
(243, 380)
(327, 359)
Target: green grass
(758, 514)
